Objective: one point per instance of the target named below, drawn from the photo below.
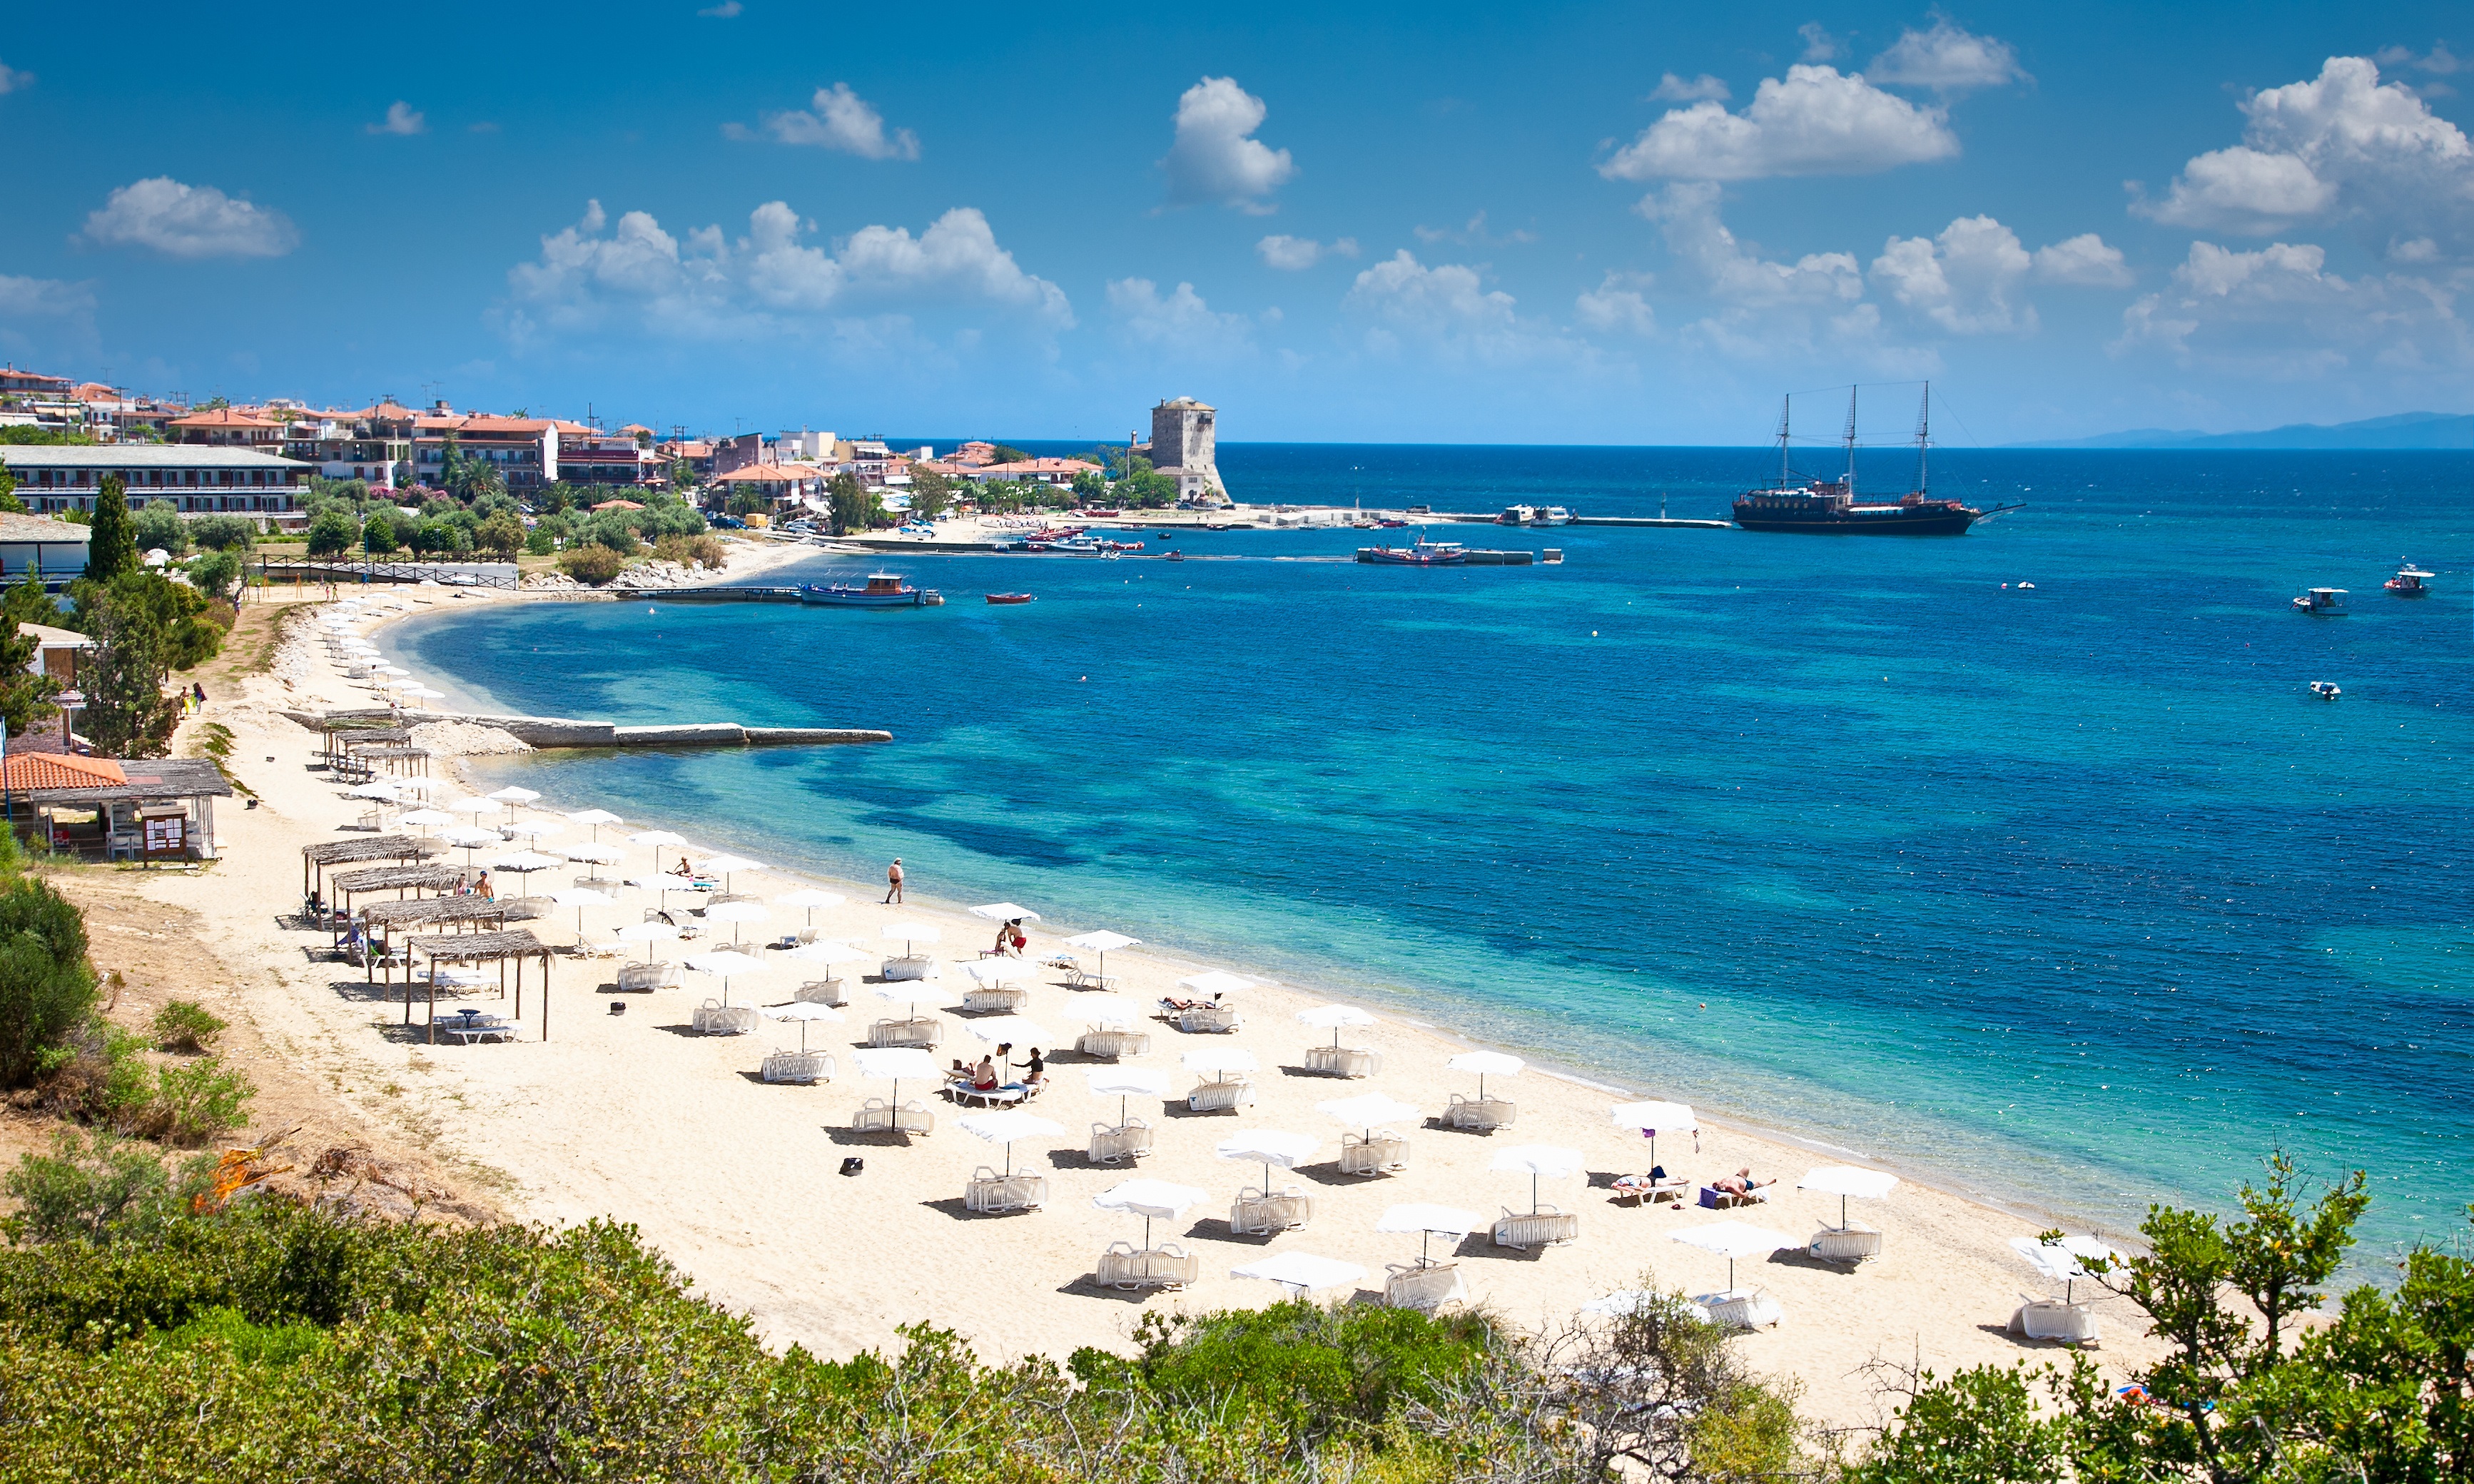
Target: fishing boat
(2322, 603)
(1009, 597)
(884, 590)
(1517, 515)
(2325, 689)
(1420, 552)
(1829, 507)
(2408, 582)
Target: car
(730, 523)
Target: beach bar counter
(114, 809)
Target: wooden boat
(1009, 597)
(2411, 581)
(1420, 553)
(884, 590)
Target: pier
(544, 732)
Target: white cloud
(2439, 60)
(1948, 60)
(1215, 159)
(1819, 45)
(1963, 280)
(401, 118)
(2277, 313)
(24, 299)
(1814, 122)
(1473, 233)
(1180, 322)
(769, 280)
(2343, 145)
(1294, 255)
(2085, 260)
(1674, 89)
(1688, 217)
(11, 79)
(1619, 304)
(1445, 313)
(190, 221)
(841, 120)
(726, 11)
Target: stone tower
(1184, 443)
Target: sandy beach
(630, 1115)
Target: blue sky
(1582, 223)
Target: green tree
(932, 494)
(213, 573)
(225, 532)
(25, 697)
(159, 527)
(378, 535)
(9, 501)
(1089, 485)
(331, 532)
(44, 437)
(502, 536)
(854, 507)
(112, 548)
(126, 714)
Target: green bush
(159, 526)
(224, 532)
(594, 564)
(539, 542)
(184, 1025)
(47, 988)
(83, 1190)
(334, 532)
(195, 1102)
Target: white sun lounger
(823, 991)
(875, 1117)
(990, 1192)
(1130, 1141)
(922, 1032)
(1380, 1153)
(917, 966)
(1851, 1244)
(1344, 1060)
(639, 978)
(1260, 1213)
(715, 1018)
(1545, 1227)
(995, 1000)
(986, 1097)
(1423, 1287)
(1482, 1115)
(797, 1066)
(1109, 1045)
(1741, 1308)
(1165, 1266)
(1221, 1097)
(2050, 1319)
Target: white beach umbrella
(656, 839)
(1007, 1030)
(470, 806)
(910, 930)
(724, 962)
(735, 913)
(1653, 1119)
(1846, 1179)
(809, 899)
(416, 788)
(469, 840)
(1429, 1221)
(1108, 1009)
(896, 1065)
(1482, 1062)
(424, 693)
(1301, 1273)
(591, 854)
(1008, 1125)
(1268, 1146)
(898, 991)
(828, 954)
(580, 898)
(531, 829)
(992, 972)
(1216, 982)
(524, 862)
(1734, 1239)
(384, 792)
(648, 932)
(1366, 1109)
(426, 819)
(1333, 1017)
(802, 1012)
(1005, 912)
(1126, 1081)
(1151, 1200)
(593, 820)
(725, 867)
(512, 795)
(1538, 1160)
(2065, 1260)
(391, 670)
(1216, 1061)
(1102, 943)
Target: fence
(461, 574)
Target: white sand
(629, 1116)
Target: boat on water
(1420, 552)
(1390, 525)
(1009, 597)
(2325, 689)
(884, 590)
(1829, 507)
(1551, 516)
(2322, 603)
(1517, 515)
(2411, 581)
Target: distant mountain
(2402, 431)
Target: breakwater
(566, 731)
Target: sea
(2026, 861)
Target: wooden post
(433, 999)
(544, 958)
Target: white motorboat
(2322, 603)
(2325, 689)
(1551, 515)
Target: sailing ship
(1829, 507)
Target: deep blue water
(2072, 894)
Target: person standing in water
(893, 881)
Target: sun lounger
(1260, 1213)
(1649, 1190)
(961, 1090)
(1209, 1020)
(1221, 1097)
(1851, 1244)
(1423, 1287)
(1741, 1308)
(922, 1032)
(1544, 1227)
(821, 991)
(1716, 1200)
(1165, 1266)
(1078, 978)
(1382, 1152)
(1131, 1142)
(643, 978)
(875, 1117)
(1479, 1115)
(1108, 1044)
(2050, 1319)
(990, 1192)
(917, 966)
(797, 1066)
(1342, 1060)
(1002, 1000)
(715, 1018)
(476, 1028)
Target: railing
(464, 575)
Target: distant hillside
(2402, 431)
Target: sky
(1600, 224)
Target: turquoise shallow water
(2070, 895)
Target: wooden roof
(376, 847)
(479, 947)
(399, 878)
(374, 735)
(433, 909)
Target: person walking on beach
(893, 881)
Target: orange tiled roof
(772, 474)
(223, 417)
(617, 504)
(61, 770)
(94, 391)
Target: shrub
(214, 572)
(159, 524)
(224, 532)
(184, 1025)
(332, 532)
(692, 551)
(540, 543)
(611, 529)
(377, 536)
(594, 564)
(502, 535)
(193, 1103)
(83, 1190)
(47, 988)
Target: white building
(198, 478)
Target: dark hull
(1885, 523)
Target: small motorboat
(884, 590)
(1517, 514)
(2325, 689)
(1418, 553)
(1390, 525)
(1009, 597)
(1176, 556)
(2409, 582)
(1551, 515)
(2322, 603)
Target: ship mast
(1924, 436)
(1850, 441)
(1786, 410)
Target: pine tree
(112, 547)
(126, 714)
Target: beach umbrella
(656, 839)
(828, 954)
(426, 819)
(1538, 1160)
(1653, 1119)
(725, 866)
(1430, 1220)
(648, 932)
(424, 693)
(1734, 1239)
(2065, 1259)
(735, 913)
(1108, 1009)
(1366, 1109)
(1005, 912)
(1301, 1273)
(1102, 943)
(524, 862)
(1215, 1060)
(391, 670)
(592, 855)
(809, 899)
(384, 792)
(531, 829)
(1268, 1146)
(1484, 1061)
(469, 840)
(417, 787)
(512, 796)
(594, 819)
(992, 972)
(1846, 1179)
(1335, 1016)
(1007, 1030)
(802, 1012)
(910, 930)
(725, 963)
(580, 898)
(1008, 1125)
(895, 1064)
(470, 806)
(1151, 1200)
(898, 991)
(1216, 982)
(1126, 1081)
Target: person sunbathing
(984, 1076)
(1739, 1183)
